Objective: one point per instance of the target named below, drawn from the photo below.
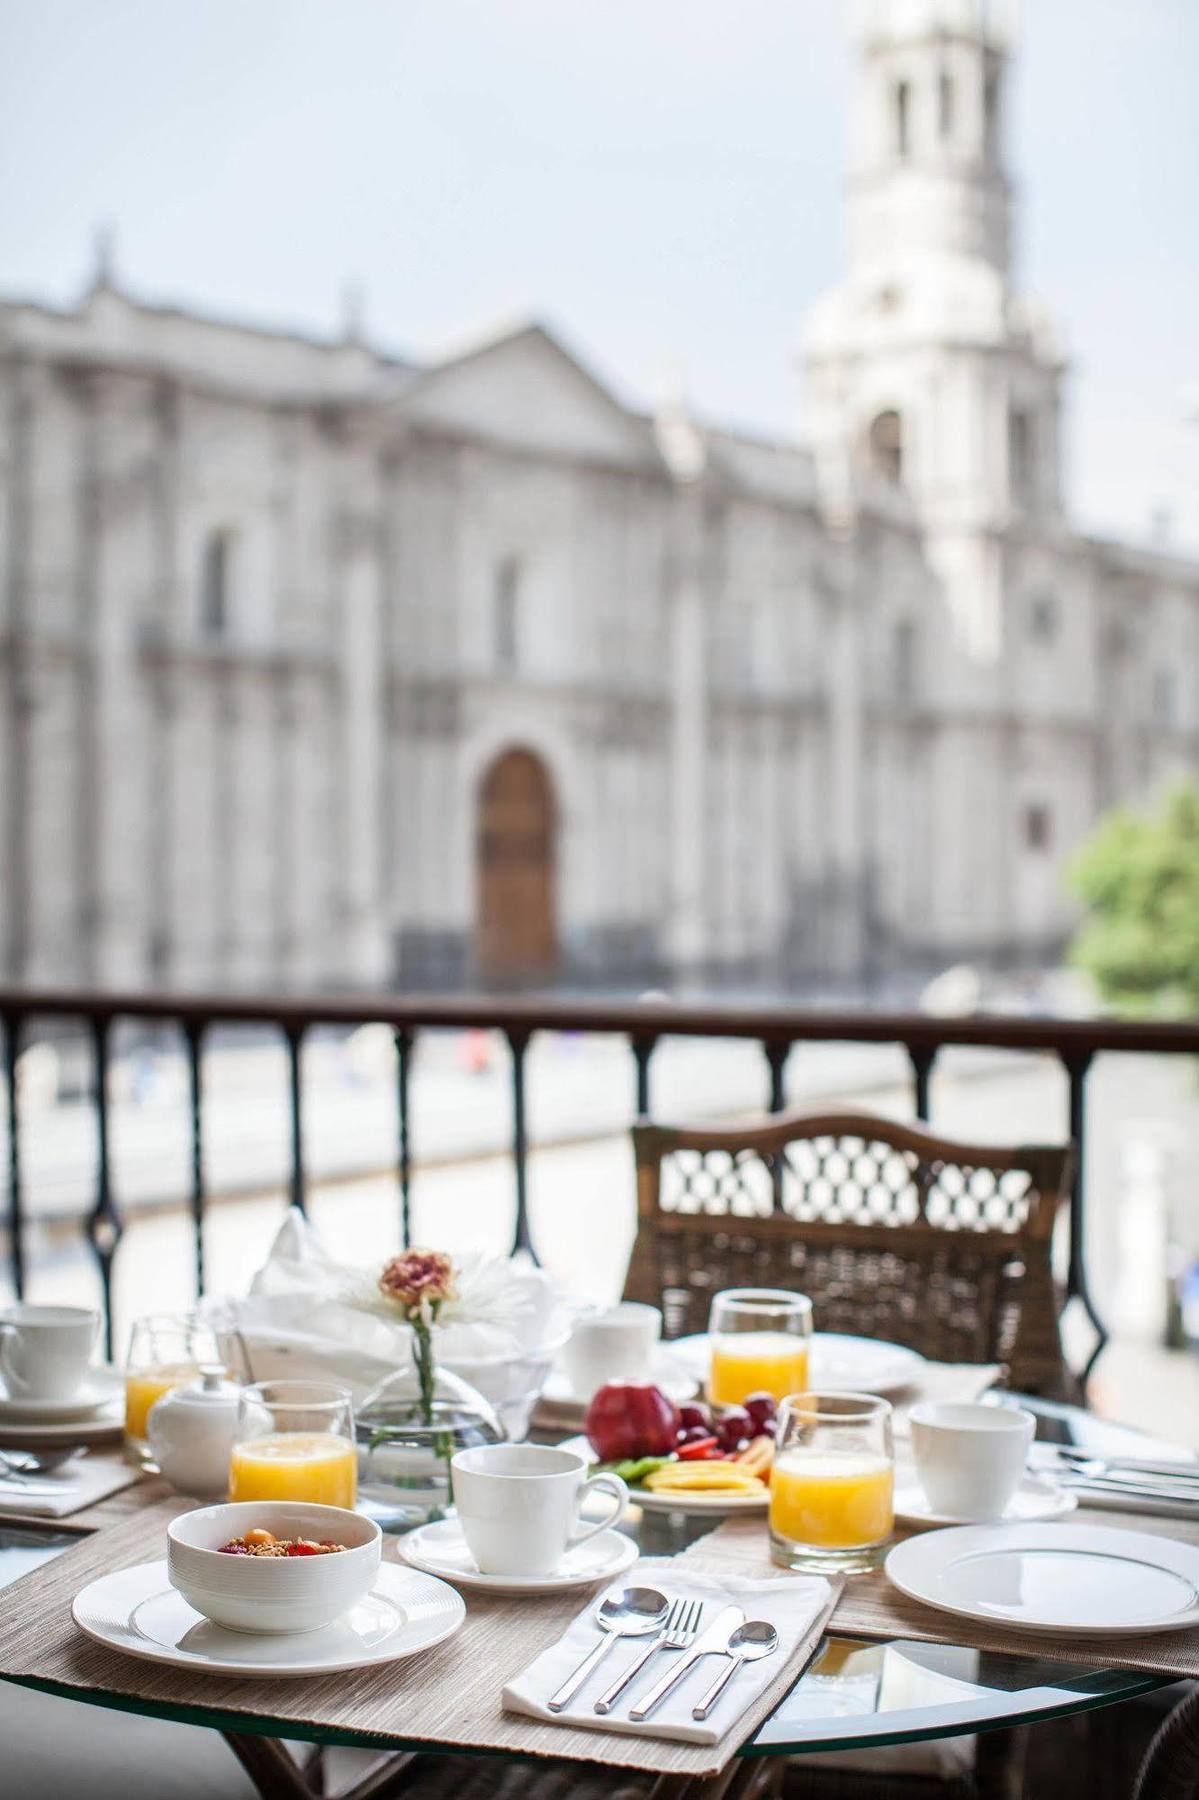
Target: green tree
(1137, 875)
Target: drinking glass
(165, 1350)
(295, 1441)
(760, 1340)
(832, 1487)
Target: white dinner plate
(441, 1549)
(1037, 1497)
(138, 1611)
(1067, 1580)
(840, 1363)
(98, 1392)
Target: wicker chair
(894, 1233)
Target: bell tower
(932, 386)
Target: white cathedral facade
(320, 667)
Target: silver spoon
(38, 1462)
(634, 1612)
(754, 1639)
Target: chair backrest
(894, 1233)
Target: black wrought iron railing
(1075, 1044)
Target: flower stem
(422, 1351)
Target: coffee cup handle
(600, 1484)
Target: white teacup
(616, 1344)
(970, 1458)
(518, 1505)
(45, 1350)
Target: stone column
(364, 950)
(845, 798)
(687, 933)
(118, 553)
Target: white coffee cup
(45, 1350)
(970, 1458)
(614, 1344)
(518, 1505)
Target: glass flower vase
(404, 1455)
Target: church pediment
(527, 390)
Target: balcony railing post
(404, 1039)
(295, 1067)
(1077, 1063)
(922, 1057)
(16, 1213)
(104, 1226)
(643, 1049)
(518, 1042)
(193, 1032)
(776, 1051)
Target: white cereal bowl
(266, 1593)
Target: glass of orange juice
(295, 1441)
(832, 1486)
(165, 1350)
(760, 1340)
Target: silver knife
(1181, 1471)
(714, 1642)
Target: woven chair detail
(894, 1233)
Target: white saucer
(137, 1610)
(441, 1549)
(95, 1392)
(1036, 1498)
(1065, 1579)
(840, 1363)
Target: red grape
(761, 1409)
(694, 1416)
(734, 1428)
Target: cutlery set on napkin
(52, 1485)
(1161, 1489)
(738, 1635)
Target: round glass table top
(853, 1695)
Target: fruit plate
(682, 1503)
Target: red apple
(629, 1419)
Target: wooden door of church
(517, 928)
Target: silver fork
(679, 1633)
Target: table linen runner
(448, 1697)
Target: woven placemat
(870, 1607)
(447, 1698)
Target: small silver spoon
(754, 1639)
(634, 1612)
(38, 1462)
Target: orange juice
(832, 1499)
(754, 1362)
(295, 1465)
(144, 1386)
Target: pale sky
(659, 179)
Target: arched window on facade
(1022, 449)
(903, 661)
(945, 98)
(505, 620)
(1042, 618)
(903, 117)
(216, 583)
(884, 446)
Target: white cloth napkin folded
(791, 1603)
(69, 1489)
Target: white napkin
(791, 1603)
(69, 1489)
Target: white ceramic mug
(518, 1505)
(970, 1458)
(45, 1350)
(616, 1344)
